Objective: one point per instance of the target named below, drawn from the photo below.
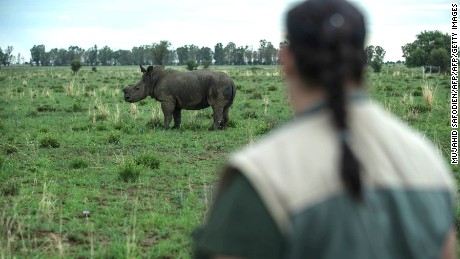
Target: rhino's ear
(149, 69)
(143, 70)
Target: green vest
(407, 207)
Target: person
(345, 179)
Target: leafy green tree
(440, 57)
(123, 57)
(229, 53)
(205, 55)
(193, 52)
(8, 56)
(239, 56)
(248, 55)
(182, 54)
(139, 55)
(92, 55)
(419, 52)
(36, 53)
(219, 54)
(369, 50)
(75, 66)
(160, 51)
(1, 55)
(74, 53)
(105, 55)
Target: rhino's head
(143, 88)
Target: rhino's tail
(233, 88)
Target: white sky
(123, 24)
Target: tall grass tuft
(428, 94)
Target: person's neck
(304, 97)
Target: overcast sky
(123, 24)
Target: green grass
(71, 144)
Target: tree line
(431, 48)
(159, 53)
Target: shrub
(9, 188)
(191, 65)
(78, 163)
(206, 63)
(272, 88)
(249, 114)
(94, 69)
(114, 138)
(129, 172)
(75, 66)
(256, 95)
(46, 108)
(148, 160)
(376, 65)
(49, 142)
(10, 149)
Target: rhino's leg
(177, 118)
(168, 109)
(225, 117)
(218, 116)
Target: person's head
(325, 57)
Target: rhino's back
(190, 90)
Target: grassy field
(70, 144)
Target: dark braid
(327, 39)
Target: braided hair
(327, 40)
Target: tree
(75, 66)
(105, 55)
(74, 53)
(248, 55)
(123, 57)
(369, 50)
(92, 55)
(440, 57)
(219, 54)
(36, 53)
(182, 54)
(8, 55)
(1, 55)
(160, 51)
(229, 53)
(139, 55)
(374, 57)
(239, 56)
(205, 55)
(418, 53)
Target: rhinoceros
(178, 90)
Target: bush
(148, 160)
(129, 172)
(46, 108)
(272, 88)
(10, 149)
(49, 142)
(191, 65)
(206, 63)
(114, 138)
(9, 188)
(94, 69)
(75, 66)
(376, 65)
(78, 163)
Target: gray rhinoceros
(192, 90)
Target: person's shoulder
(412, 152)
